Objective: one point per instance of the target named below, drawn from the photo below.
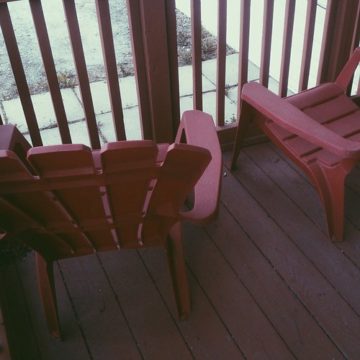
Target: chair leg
(331, 186)
(45, 272)
(243, 123)
(177, 268)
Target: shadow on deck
(265, 280)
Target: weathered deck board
(97, 311)
(74, 344)
(248, 325)
(294, 323)
(20, 331)
(265, 282)
(295, 184)
(322, 253)
(146, 314)
(277, 235)
(207, 339)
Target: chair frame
(334, 155)
(198, 132)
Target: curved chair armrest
(348, 70)
(199, 129)
(12, 139)
(294, 120)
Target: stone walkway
(11, 110)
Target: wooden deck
(266, 283)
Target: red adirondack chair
(319, 129)
(66, 201)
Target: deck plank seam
(292, 291)
(246, 287)
(216, 311)
(117, 300)
(306, 180)
(87, 346)
(302, 253)
(283, 230)
(165, 303)
(27, 308)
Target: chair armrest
(348, 70)
(294, 120)
(199, 129)
(12, 139)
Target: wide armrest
(294, 120)
(12, 139)
(348, 70)
(198, 129)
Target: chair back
(67, 200)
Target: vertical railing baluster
(150, 23)
(173, 63)
(286, 50)
(329, 18)
(356, 35)
(308, 44)
(337, 44)
(80, 64)
(243, 48)
(266, 41)
(107, 43)
(19, 74)
(356, 40)
(140, 68)
(196, 53)
(48, 61)
(221, 62)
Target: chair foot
(47, 292)
(331, 187)
(177, 268)
(244, 120)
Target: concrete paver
(51, 136)
(232, 72)
(131, 122)
(100, 96)
(186, 81)
(209, 106)
(75, 113)
(73, 108)
(128, 91)
(15, 114)
(79, 133)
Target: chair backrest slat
(17, 210)
(134, 161)
(17, 222)
(182, 168)
(82, 205)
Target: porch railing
(153, 32)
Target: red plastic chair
(67, 201)
(319, 129)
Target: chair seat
(318, 129)
(328, 105)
